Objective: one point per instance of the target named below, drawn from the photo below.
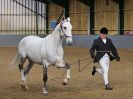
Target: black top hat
(104, 30)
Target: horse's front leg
(67, 68)
(45, 78)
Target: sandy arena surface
(81, 86)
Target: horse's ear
(68, 19)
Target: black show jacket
(101, 49)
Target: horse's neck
(57, 39)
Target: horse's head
(65, 29)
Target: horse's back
(28, 40)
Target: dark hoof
(108, 87)
(64, 83)
(25, 87)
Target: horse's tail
(15, 62)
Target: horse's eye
(64, 27)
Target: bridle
(61, 29)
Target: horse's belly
(34, 53)
(35, 58)
(51, 60)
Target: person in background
(100, 51)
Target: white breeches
(104, 63)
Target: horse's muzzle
(69, 41)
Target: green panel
(92, 15)
(121, 23)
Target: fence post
(47, 18)
(78, 64)
(37, 17)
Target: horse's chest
(52, 58)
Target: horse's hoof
(64, 83)
(68, 78)
(25, 87)
(45, 92)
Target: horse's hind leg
(25, 73)
(20, 66)
(28, 67)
